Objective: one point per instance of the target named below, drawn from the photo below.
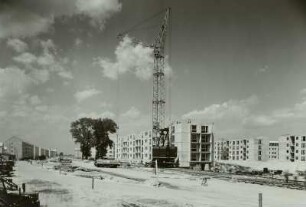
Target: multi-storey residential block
(292, 148)
(238, 149)
(194, 142)
(135, 148)
(242, 149)
(273, 150)
(25, 150)
(111, 151)
(221, 151)
(258, 149)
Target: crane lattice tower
(158, 103)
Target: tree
(102, 129)
(82, 132)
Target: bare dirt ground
(136, 187)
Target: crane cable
(133, 28)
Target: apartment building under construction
(194, 142)
(292, 148)
(253, 149)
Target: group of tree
(90, 133)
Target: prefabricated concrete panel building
(19, 148)
(194, 142)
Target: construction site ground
(140, 187)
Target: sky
(238, 64)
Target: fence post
(156, 167)
(93, 183)
(23, 187)
(260, 199)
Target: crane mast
(158, 103)
(164, 152)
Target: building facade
(221, 151)
(292, 148)
(134, 148)
(252, 149)
(194, 142)
(25, 150)
(273, 150)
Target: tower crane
(160, 134)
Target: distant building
(194, 142)
(52, 153)
(19, 148)
(292, 148)
(25, 150)
(77, 153)
(253, 149)
(3, 149)
(134, 148)
(273, 150)
(110, 152)
(221, 151)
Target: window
(193, 128)
(297, 151)
(193, 138)
(173, 129)
(204, 129)
(302, 158)
(304, 138)
(297, 144)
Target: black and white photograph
(152, 103)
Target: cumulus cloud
(226, 110)
(65, 74)
(136, 59)
(303, 91)
(259, 120)
(13, 81)
(95, 115)
(236, 116)
(46, 62)
(231, 117)
(39, 76)
(78, 42)
(132, 113)
(25, 58)
(21, 18)
(35, 100)
(86, 94)
(17, 45)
